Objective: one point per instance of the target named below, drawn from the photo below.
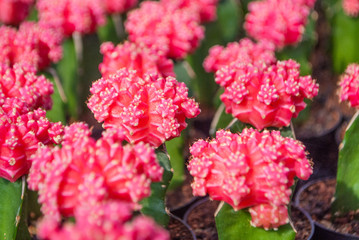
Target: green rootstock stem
(154, 205)
(118, 23)
(347, 189)
(216, 118)
(11, 206)
(175, 150)
(57, 81)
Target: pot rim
(326, 131)
(309, 218)
(197, 203)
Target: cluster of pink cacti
(286, 20)
(255, 169)
(139, 100)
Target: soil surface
(178, 230)
(181, 196)
(201, 220)
(317, 200)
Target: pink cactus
(309, 3)
(21, 82)
(110, 220)
(281, 22)
(95, 171)
(349, 85)
(69, 16)
(8, 35)
(119, 6)
(245, 51)
(173, 32)
(151, 109)
(351, 7)
(269, 98)
(249, 169)
(206, 9)
(14, 11)
(31, 44)
(134, 57)
(22, 132)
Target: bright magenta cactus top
(83, 16)
(21, 82)
(265, 98)
(251, 169)
(351, 7)
(281, 22)
(121, 173)
(206, 9)
(174, 32)
(151, 109)
(32, 44)
(13, 12)
(135, 57)
(244, 51)
(108, 220)
(119, 6)
(349, 85)
(21, 133)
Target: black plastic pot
(179, 229)
(207, 226)
(322, 232)
(323, 150)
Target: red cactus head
(173, 32)
(205, 9)
(69, 16)
(14, 11)
(351, 7)
(119, 6)
(22, 133)
(135, 57)
(32, 44)
(21, 82)
(349, 85)
(110, 219)
(96, 171)
(278, 21)
(245, 51)
(150, 109)
(265, 98)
